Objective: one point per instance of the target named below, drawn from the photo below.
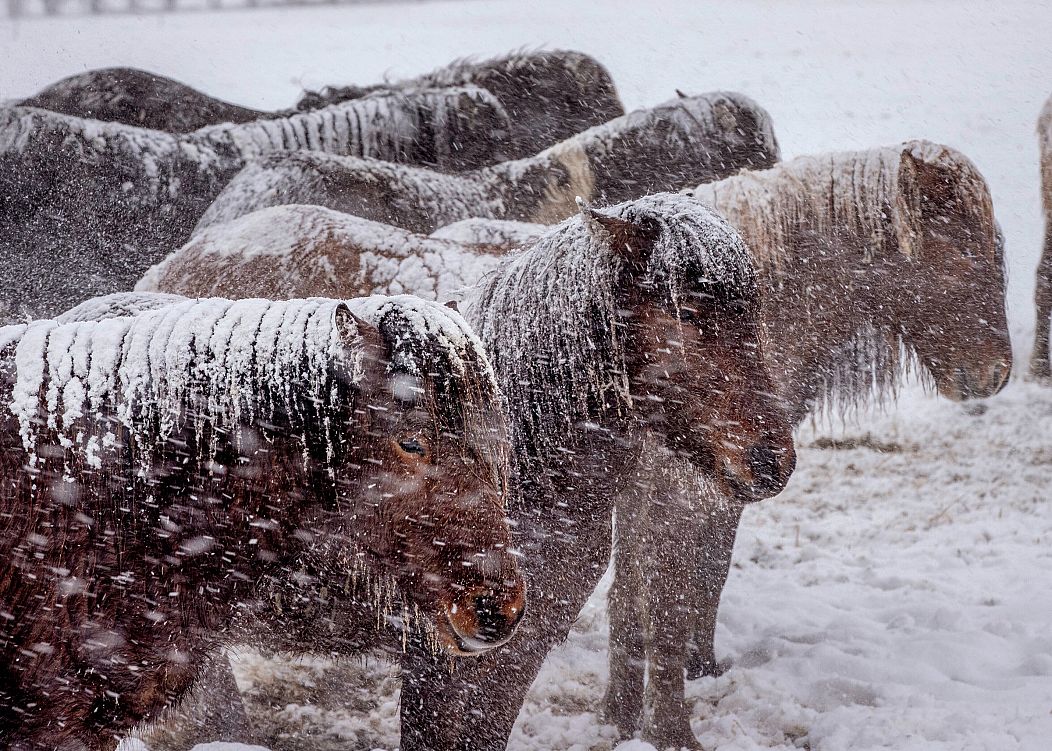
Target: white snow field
(898, 594)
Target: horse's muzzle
(485, 617)
(767, 468)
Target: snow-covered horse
(169, 474)
(1039, 359)
(640, 320)
(867, 259)
(549, 94)
(86, 206)
(675, 145)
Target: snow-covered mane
(872, 206)
(218, 364)
(550, 317)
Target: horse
(140, 98)
(619, 329)
(1039, 357)
(168, 474)
(669, 147)
(868, 260)
(550, 95)
(109, 200)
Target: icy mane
(878, 202)
(292, 367)
(194, 363)
(550, 317)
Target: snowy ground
(897, 595)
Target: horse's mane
(876, 197)
(293, 367)
(550, 317)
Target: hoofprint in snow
(892, 596)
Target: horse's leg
(211, 711)
(713, 547)
(1040, 368)
(670, 610)
(623, 701)
(472, 705)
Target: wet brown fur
(118, 584)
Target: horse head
(429, 506)
(951, 277)
(694, 350)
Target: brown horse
(86, 207)
(612, 334)
(140, 98)
(549, 95)
(169, 474)
(669, 147)
(866, 260)
(1039, 359)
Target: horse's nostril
(494, 622)
(763, 462)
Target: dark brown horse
(86, 207)
(614, 334)
(669, 147)
(138, 97)
(1039, 359)
(549, 95)
(168, 475)
(867, 260)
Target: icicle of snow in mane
(549, 318)
(669, 147)
(191, 362)
(299, 251)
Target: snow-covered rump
(494, 232)
(303, 251)
(672, 146)
(80, 193)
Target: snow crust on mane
(116, 305)
(504, 233)
(181, 362)
(297, 250)
(550, 317)
(192, 362)
(873, 195)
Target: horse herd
(240, 413)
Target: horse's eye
(416, 446)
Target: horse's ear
(353, 331)
(907, 214)
(626, 239)
(680, 94)
(452, 305)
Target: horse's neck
(818, 302)
(544, 188)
